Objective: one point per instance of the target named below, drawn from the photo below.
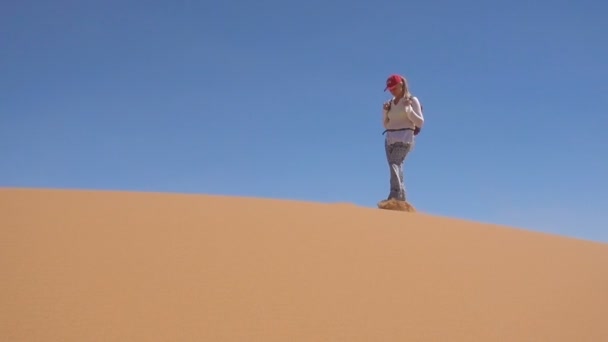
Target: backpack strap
(399, 129)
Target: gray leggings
(395, 156)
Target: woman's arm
(386, 108)
(416, 114)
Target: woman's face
(397, 90)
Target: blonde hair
(406, 88)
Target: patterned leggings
(395, 156)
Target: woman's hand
(387, 105)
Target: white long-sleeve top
(403, 115)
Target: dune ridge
(84, 265)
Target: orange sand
(118, 266)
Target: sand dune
(120, 266)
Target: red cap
(393, 81)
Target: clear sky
(283, 99)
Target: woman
(402, 118)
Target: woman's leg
(395, 156)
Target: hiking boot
(394, 204)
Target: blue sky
(283, 99)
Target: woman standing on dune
(402, 119)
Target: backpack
(416, 128)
